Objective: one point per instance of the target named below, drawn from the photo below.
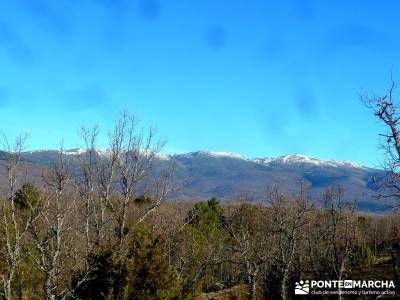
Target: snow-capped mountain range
(292, 159)
(204, 174)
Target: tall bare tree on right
(387, 111)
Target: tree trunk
(340, 278)
(49, 289)
(7, 290)
(284, 285)
(252, 287)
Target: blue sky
(261, 78)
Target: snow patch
(216, 154)
(106, 153)
(299, 159)
(76, 151)
(224, 154)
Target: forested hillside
(105, 230)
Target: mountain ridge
(203, 174)
(288, 158)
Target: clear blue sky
(261, 78)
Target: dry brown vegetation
(106, 231)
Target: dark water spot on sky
(274, 48)
(92, 96)
(304, 10)
(14, 46)
(216, 37)
(276, 126)
(306, 103)
(111, 2)
(276, 122)
(51, 19)
(359, 36)
(277, 131)
(115, 33)
(149, 9)
(120, 6)
(117, 13)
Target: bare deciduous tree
(288, 217)
(250, 245)
(387, 111)
(53, 232)
(134, 152)
(85, 181)
(341, 230)
(14, 227)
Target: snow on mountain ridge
(100, 151)
(210, 153)
(292, 159)
(223, 154)
(304, 159)
(75, 151)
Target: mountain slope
(204, 174)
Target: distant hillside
(203, 174)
